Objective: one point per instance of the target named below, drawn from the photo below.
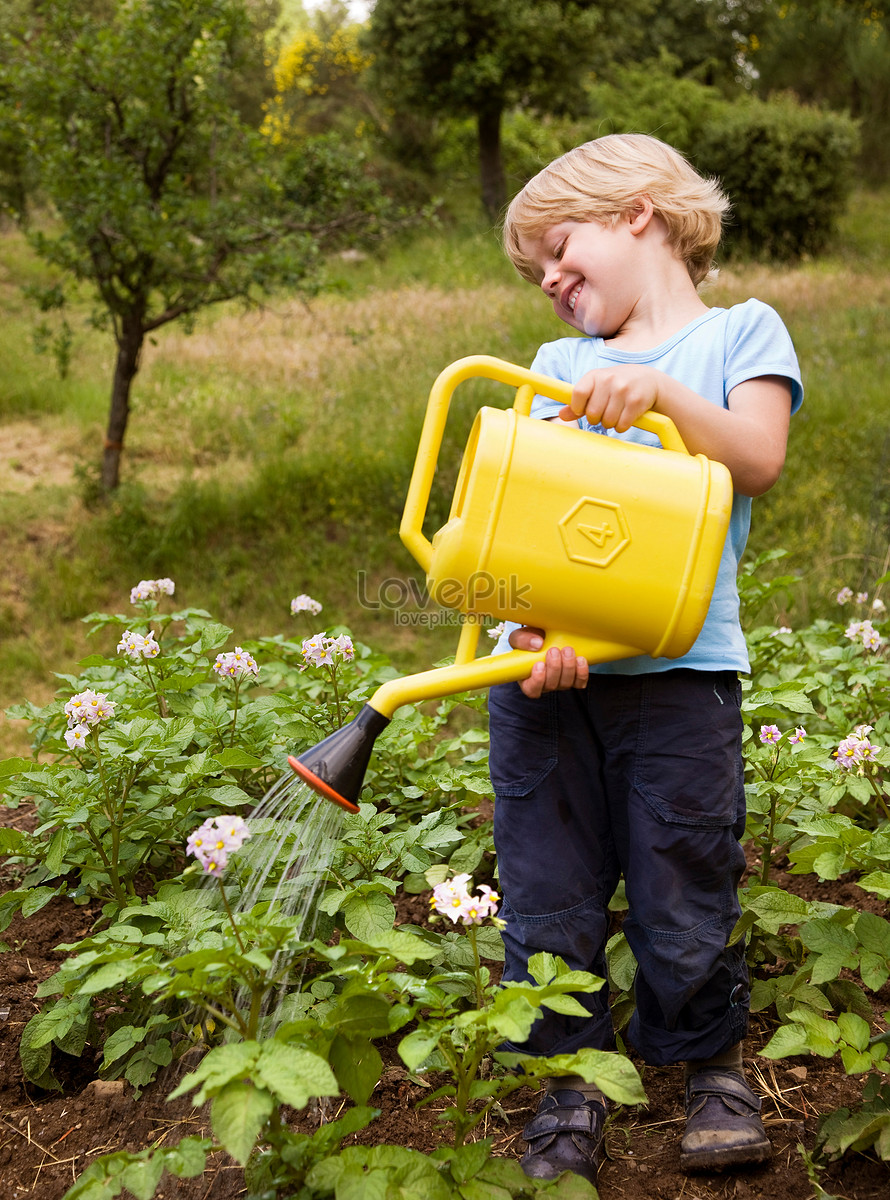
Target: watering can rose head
(213, 842)
(453, 899)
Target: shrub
(788, 170)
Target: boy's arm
(749, 437)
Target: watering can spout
(335, 768)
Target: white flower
(861, 597)
(856, 749)
(135, 645)
(150, 648)
(453, 899)
(88, 708)
(303, 603)
(322, 651)
(76, 737)
(151, 589)
(235, 664)
(496, 630)
(213, 842)
(866, 633)
(781, 629)
(342, 647)
(845, 595)
(878, 605)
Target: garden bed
(47, 1139)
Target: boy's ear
(640, 213)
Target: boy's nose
(549, 282)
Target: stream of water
(294, 836)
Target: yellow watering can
(610, 546)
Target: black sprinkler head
(335, 768)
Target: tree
(479, 57)
(832, 52)
(166, 201)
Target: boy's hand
(614, 396)
(561, 670)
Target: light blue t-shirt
(712, 355)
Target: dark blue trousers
(639, 776)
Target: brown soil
(48, 1138)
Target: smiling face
(589, 270)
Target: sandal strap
(586, 1118)
(726, 1086)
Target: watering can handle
(529, 383)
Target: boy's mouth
(573, 296)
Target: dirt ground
(48, 1138)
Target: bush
(788, 170)
(649, 98)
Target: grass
(269, 452)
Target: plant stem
(235, 713)
(225, 900)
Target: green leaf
(15, 766)
(212, 636)
(854, 1030)
(121, 1042)
(775, 908)
(369, 914)
(36, 1059)
(787, 1042)
(143, 1177)
(110, 975)
(237, 1115)
(490, 943)
(416, 1047)
(874, 933)
(468, 1160)
(218, 1067)
(233, 756)
(357, 1064)
(293, 1075)
(613, 1074)
(877, 882)
(855, 1063)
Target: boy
(634, 768)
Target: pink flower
(856, 749)
(769, 734)
(798, 736)
(151, 589)
(88, 708)
(235, 664)
(305, 604)
(453, 899)
(213, 842)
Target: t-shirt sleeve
(549, 360)
(757, 343)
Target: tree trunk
(491, 167)
(129, 347)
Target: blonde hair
(600, 180)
